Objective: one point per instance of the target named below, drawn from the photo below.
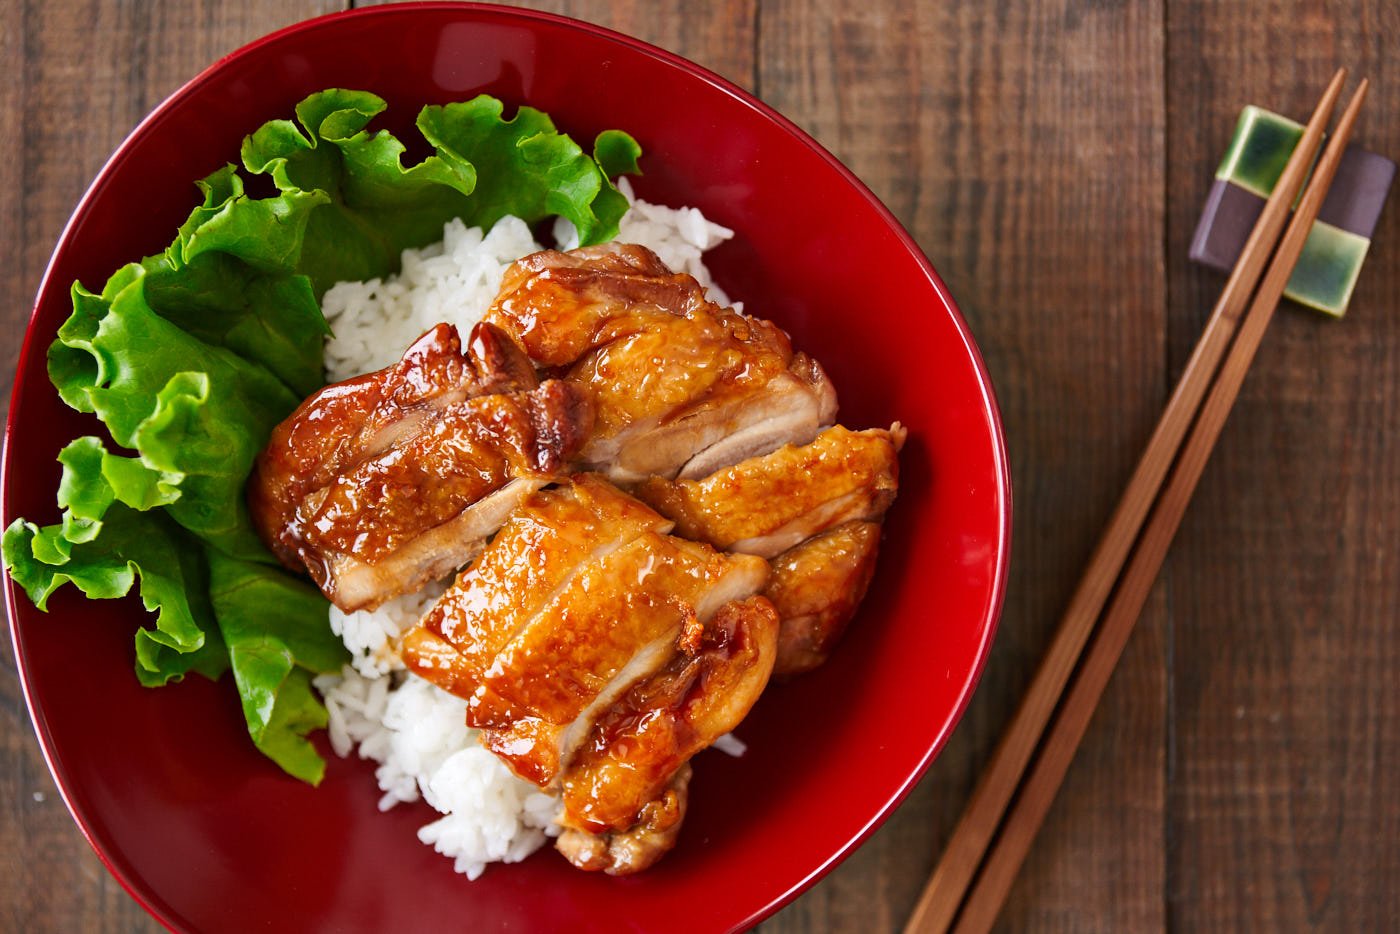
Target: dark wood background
(1050, 158)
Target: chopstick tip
(1334, 87)
(1354, 105)
(1323, 113)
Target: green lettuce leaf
(277, 636)
(268, 234)
(192, 410)
(525, 167)
(376, 207)
(144, 549)
(190, 357)
(107, 541)
(94, 478)
(229, 280)
(296, 712)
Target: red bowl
(208, 835)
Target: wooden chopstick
(944, 894)
(1039, 788)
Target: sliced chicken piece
(794, 409)
(815, 588)
(559, 306)
(615, 609)
(766, 505)
(430, 656)
(814, 510)
(579, 598)
(354, 580)
(650, 732)
(537, 553)
(402, 503)
(345, 423)
(618, 623)
(688, 388)
(637, 848)
(681, 383)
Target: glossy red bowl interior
(210, 836)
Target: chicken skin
(682, 385)
(384, 482)
(635, 849)
(598, 660)
(814, 510)
(816, 587)
(536, 554)
(353, 420)
(639, 750)
(699, 695)
(766, 505)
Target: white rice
(415, 731)
(455, 280)
(372, 636)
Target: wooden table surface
(1050, 158)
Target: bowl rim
(988, 401)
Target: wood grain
(1036, 791)
(1286, 578)
(1060, 680)
(719, 35)
(986, 132)
(78, 76)
(1051, 159)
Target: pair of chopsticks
(970, 882)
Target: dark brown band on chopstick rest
(1332, 260)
